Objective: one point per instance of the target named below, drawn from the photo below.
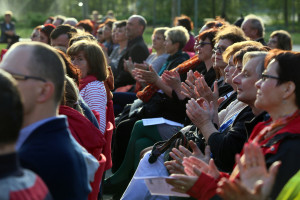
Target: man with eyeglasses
(44, 144)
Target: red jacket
(283, 145)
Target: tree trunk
(285, 13)
(213, 8)
(173, 10)
(223, 15)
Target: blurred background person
(35, 35)
(187, 23)
(280, 39)
(8, 32)
(45, 32)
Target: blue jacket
(48, 151)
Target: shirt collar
(26, 131)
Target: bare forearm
(164, 87)
(207, 130)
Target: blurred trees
(158, 12)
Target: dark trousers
(120, 141)
(121, 99)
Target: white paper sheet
(160, 120)
(159, 186)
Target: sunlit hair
(284, 39)
(256, 23)
(232, 49)
(238, 56)
(94, 56)
(232, 33)
(120, 24)
(142, 21)
(160, 30)
(256, 55)
(86, 24)
(81, 35)
(178, 34)
(210, 34)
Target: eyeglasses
(24, 77)
(219, 49)
(201, 44)
(266, 76)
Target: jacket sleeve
(138, 54)
(288, 153)
(205, 187)
(225, 145)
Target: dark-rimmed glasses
(266, 76)
(219, 49)
(25, 77)
(201, 44)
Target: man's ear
(46, 92)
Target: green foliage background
(278, 14)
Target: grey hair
(256, 23)
(256, 54)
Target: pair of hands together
(255, 181)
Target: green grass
(26, 32)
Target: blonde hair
(232, 49)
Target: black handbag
(180, 138)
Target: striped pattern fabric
(94, 94)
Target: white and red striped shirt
(94, 94)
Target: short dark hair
(288, 68)
(11, 117)
(184, 21)
(210, 34)
(46, 63)
(120, 24)
(94, 55)
(232, 33)
(81, 36)
(109, 23)
(63, 29)
(284, 39)
(86, 24)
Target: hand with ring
(182, 183)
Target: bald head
(38, 60)
(135, 26)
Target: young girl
(89, 58)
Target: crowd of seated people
(216, 112)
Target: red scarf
(86, 80)
(275, 126)
(84, 131)
(146, 94)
